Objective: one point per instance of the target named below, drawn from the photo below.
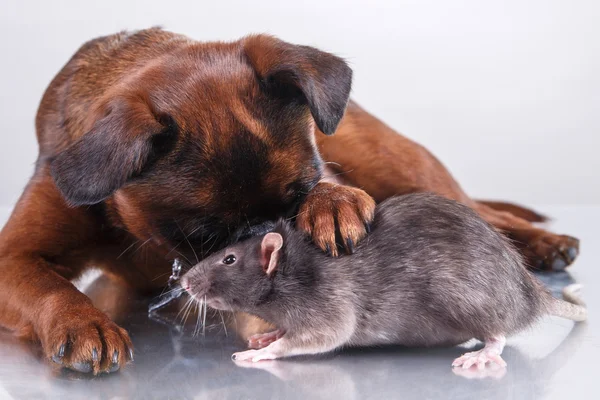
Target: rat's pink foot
(277, 349)
(254, 355)
(261, 340)
(479, 358)
(493, 371)
(490, 353)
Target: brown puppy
(154, 146)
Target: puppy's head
(209, 140)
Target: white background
(506, 93)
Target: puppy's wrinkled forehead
(243, 137)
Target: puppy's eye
(294, 190)
(230, 259)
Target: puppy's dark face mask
(209, 143)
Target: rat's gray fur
(432, 272)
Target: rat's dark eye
(230, 259)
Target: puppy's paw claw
(333, 211)
(552, 252)
(93, 344)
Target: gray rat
(431, 273)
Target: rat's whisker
(188, 241)
(198, 312)
(173, 249)
(127, 249)
(142, 245)
(189, 311)
(184, 257)
(212, 245)
(204, 316)
(295, 216)
(185, 309)
(223, 321)
(210, 237)
(234, 318)
(165, 291)
(161, 275)
(235, 321)
(195, 230)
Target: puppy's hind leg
(491, 352)
(542, 249)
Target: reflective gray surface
(554, 359)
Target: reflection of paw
(493, 371)
(254, 355)
(261, 340)
(479, 358)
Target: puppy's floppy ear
(323, 79)
(119, 145)
(270, 249)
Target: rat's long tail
(572, 307)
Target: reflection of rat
(431, 273)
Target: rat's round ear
(269, 251)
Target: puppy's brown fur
(154, 146)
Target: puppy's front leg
(42, 247)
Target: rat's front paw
(331, 209)
(86, 340)
(261, 340)
(254, 355)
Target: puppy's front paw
(331, 209)
(85, 340)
